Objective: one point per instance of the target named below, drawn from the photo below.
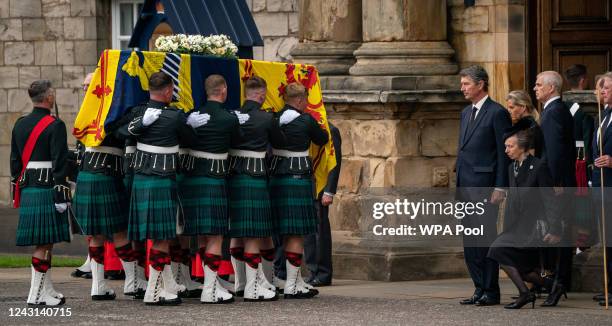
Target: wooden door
(566, 32)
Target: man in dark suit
(318, 247)
(560, 153)
(603, 164)
(482, 175)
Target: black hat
(522, 124)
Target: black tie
(473, 116)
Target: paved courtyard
(346, 303)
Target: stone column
(404, 37)
(329, 31)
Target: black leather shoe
(318, 283)
(485, 300)
(523, 299)
(471, 300)
(554, 296)
(601, 296)
(603, 302)
(79, 273)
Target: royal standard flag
(121, 81)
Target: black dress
(530, 198)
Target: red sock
(97, 254)
(252, 259)
(212, 261)
(267, 254)
(158, 259)
(126, 253)
(294, 258)
(237, 253)
(40, 265)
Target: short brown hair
(295, 90)
(574, 73)
(159, 81)
(39, 89)
(213, 84)
(255, 83)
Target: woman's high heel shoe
(555, 296)
(523, 299)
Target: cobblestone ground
(345, 303)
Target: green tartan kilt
(204, 201)
(39, 222)
(250, 210)
(154, 207)
(100, 204)
(293, 207)
(128, 178)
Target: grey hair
(476, 73)
(39, 89)
(524, 139)
(553, 79)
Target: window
(124, 16)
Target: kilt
(204, 201)
(250, 210)
(293, 207)
(39, 222)
(128, 178)
(100, 204)
(154, 207)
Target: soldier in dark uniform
(291, 185)
(204, 187)
(40, 188)
(101, 205)
(154, 203)
(250, 211)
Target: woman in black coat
(530, 202)
(525, 116)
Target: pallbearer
(154, 203)
(38, 173)
(250, 211)
(101, 205)
(204, 186)
(291, 185)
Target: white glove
(242, 117)
(288, 116)
(151, 115)
(197, 119)
(60, 208)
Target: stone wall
(492, 34)
(58, 40)
(277, 21)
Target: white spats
(99, 289)
(256, 289)
(156, 294)
(40, 291)
(213, 292)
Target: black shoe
(601, 297)
(165, 302)
(471, 300)
(554, 296)
(103, 297)
(79, 273)
(485, 300)
(523, 299)
(603, 302)
(138, 295)
(301, 295)
(318, 283)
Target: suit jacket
(481, 157)
(334, 174)
(560, 148)
(607, 149)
